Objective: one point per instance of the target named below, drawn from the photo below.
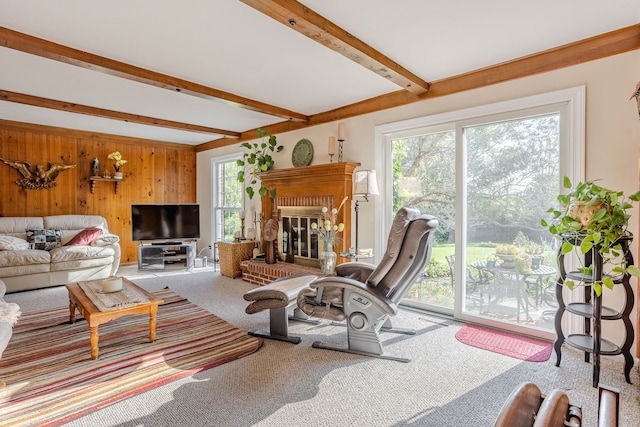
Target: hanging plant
(257, 161)
(594, 217)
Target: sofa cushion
(11, 243)
(15, 226)
(44, 239)
(85, 237)
(24, 270)
(75, 253)
(27, 257)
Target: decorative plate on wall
(302, 153)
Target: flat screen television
(165, 223)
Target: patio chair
(366, 295)
(476, 283)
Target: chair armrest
(359, 288)
(355, 270)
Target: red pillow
(85, 237)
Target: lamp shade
(365, 183)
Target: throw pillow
(85, 238)
(44, 239)
(107, 239)
(11, 243)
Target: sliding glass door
(489, 179)
(511, 179)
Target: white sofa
(25, 269)
(9, 313)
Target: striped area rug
(51, 378)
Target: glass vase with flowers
(328, 232)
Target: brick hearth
(260, 273)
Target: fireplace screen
(296, 242)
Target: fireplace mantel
(305, 186)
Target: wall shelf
(95, 179)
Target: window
(228, 198)
(488, 174)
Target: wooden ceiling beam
(251, 134)
(70, 107)
(57, 52)
(593, 48)
(307, 22)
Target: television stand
(166, 256)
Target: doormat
(512, 345)
(51, 378)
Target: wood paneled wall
(156, 172)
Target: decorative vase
(579, 211)
(95, 167)
(507, 260)
(536, 262)
(118, 175)
(328, 263)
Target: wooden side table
(231, 254)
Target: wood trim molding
(57, 52)
(591, 49)
(307, 22)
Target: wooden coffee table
(94, 317)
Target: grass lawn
(477, 253)
(474, 253)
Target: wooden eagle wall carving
(37, 178)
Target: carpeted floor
(447, 383)
(51, 378)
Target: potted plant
(594, 217)
(119, 161)
(536, 252)
(507, 253)
(257, 161)
(522, 263)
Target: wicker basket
(231, 254)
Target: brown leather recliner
(528, 407)
(365, 295)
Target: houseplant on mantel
(594, 217)
(257, 161)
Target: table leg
(72, 312)
(152, 323)
(93, 337)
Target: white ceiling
(227, 45)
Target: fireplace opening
(297, 243)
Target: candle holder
(340, 140)
(330, 158)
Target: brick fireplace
(304, 189)
(313, 186)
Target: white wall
(612, 131)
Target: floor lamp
(364, 185)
